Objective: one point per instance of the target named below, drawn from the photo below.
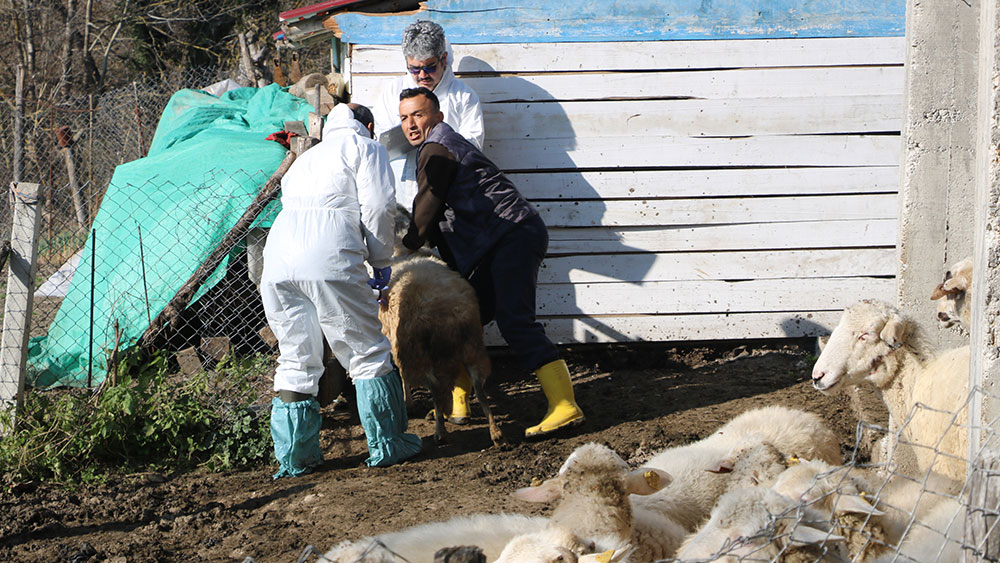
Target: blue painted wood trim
(550, 21)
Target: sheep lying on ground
(874, 342)
(593, 488)
(844, 496)
(849, 496)
(954, 296)
(555, 544)
(430, 315)
(490, 532)
(758, 524)
(693, 492)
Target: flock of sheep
(768, 485)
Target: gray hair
(422, 40)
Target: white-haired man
(428, 65)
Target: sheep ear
(724, 465)
(646, 480)
(548, 491)
(856, 505)
(940, 291)
(955, 284)
(809, 535)
(894, 331)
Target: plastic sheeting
(206, 163)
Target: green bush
(150, 420)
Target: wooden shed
(707, 170)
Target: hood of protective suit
(342, 118)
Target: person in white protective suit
(338, 210)
(428, 64)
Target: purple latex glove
(381, 279)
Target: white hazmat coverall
(338, 210)
(462, 111)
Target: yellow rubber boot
(460, 410)
(563, 410)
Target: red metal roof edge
(314, 9)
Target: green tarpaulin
(207, 161)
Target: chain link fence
(72, 148)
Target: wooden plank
(737, 265)
(653, 151)
(651, 55)
(20, 296)
(693, 118)
(638, 213)
(484, 21)
(708, 296)
(807, 234)
(634, 184)
(664, 328)
(706, 84)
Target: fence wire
(71, 150)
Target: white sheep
(430, 315)
(758, 524)
(555, 544)
(693, 492)
(848, 496)
(593, 488)
(874, 342)
(954, 297)
(490, 532)
(845, 496)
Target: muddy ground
(638, 399)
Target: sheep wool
(874, 342)
(431, 317)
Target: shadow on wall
(573, 209)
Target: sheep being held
(430, 315)
(874, 342)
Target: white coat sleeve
(377, 196)
(471, 124)
(386, 109)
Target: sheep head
(954, 296)
(555, 544)
(758, 524)
(596, 469)
(834, 490)
(867, 333)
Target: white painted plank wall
(694, 189)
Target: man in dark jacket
(486, 230)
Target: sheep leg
(477, 383)
(442, 405)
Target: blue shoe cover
(295, 432)
(383, 416)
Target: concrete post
(937, 173)
(20, 293)
(985, 356)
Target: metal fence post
(20, 288)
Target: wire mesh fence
(124, 246)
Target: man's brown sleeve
(436, 170)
